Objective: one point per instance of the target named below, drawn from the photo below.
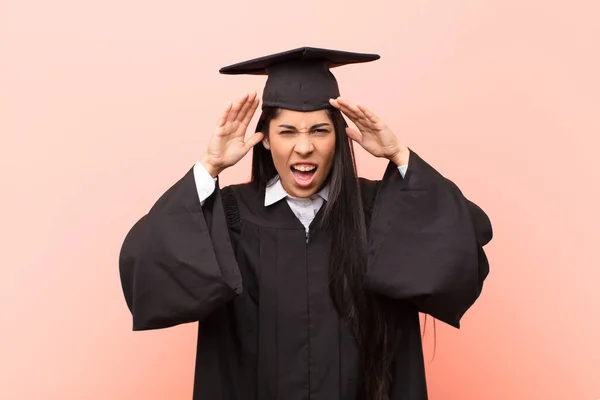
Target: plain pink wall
(105, 104)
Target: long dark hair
(368, 314)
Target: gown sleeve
(177, 263)
(426, 243)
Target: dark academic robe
(267, 325)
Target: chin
(302, 192)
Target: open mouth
(303, 173)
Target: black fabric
(280, 337)
(423, 243)
(299, 79)
(168, 276)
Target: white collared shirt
(305, 209)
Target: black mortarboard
(299, 79)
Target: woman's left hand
(373, 135)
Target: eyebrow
(312, 127)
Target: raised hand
(372, 134)
(228, 145)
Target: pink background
(105, 104)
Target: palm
(228, 144)
(373, 135)
(377, 139)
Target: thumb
(253, 140)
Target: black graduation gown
(268, 328)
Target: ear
(265, 143)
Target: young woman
(307, 281)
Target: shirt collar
(275, 192)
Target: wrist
(211, 167)
(401, 157)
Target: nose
(304, 145)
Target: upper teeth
(304, 168)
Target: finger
(345, 106)
(250, 111)
(351, 111)
(354, 135)
(246, 106)
(237, 106)
(348, 113)
(370, 116)
(360, 121)
(243, 104)
(345, 110)
(354, 114)
(355, 110)
(223, 117)
(253, 141)
(364, 119)
(334, 103)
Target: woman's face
(302, 145)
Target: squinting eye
(321, 131)
(286, 133)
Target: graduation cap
(299, 79)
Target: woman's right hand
(227, 145)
